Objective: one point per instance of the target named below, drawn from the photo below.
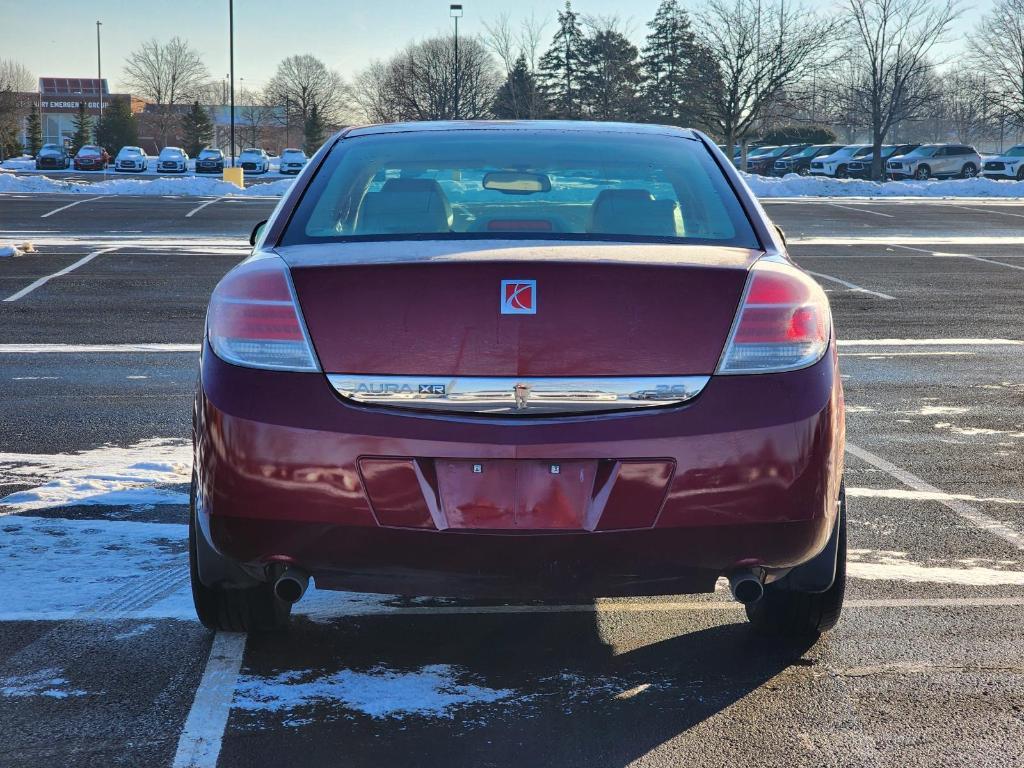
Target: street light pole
(455, 10)
(99, 66)
(231, 48)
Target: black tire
(1020, 173)
(842, 173)
(969, 171)
(923, 173)
(803, 614)
(245, 609)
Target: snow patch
(941, 410)
(46, 682)
(793, 185)
(432, 691)
(189, 185)
(894, 566)
(109, 475)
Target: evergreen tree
(313, 130)
(34, 130)
(610, 81)
(117, 128)
(676, 71)
(83, 129)
(560, 66)
(196, 129)
(518, 97)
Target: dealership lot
(101, 662)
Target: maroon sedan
(520, 361)
(91, 158)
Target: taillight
(783, 324)
(254, 319)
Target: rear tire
(803, 614)
(969, 171)
(923, 173)
(231, 609)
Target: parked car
(552, 451)
(210, 161)
(837, 164)
(172, 160)
(254, 160)
(752, 153)
(52, 156)
(861, 167)
(800, 162)
(940, 161)
(1008, 165)
(131, 160)
(292, 161)
(764, 162)
(91, 158)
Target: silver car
(838, 163)
(940, 161)
(1008, 165)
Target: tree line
(739, 69)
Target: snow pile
(19, 249)
(187, 185)
(793, 185)
(23, 163)
(432, 691)
(45, 682)
(109, 475)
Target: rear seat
(405, 206)
(633, 212)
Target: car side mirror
(781, 233)
(256, 232)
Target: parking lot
(102, 662)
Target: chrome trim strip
(522, 396)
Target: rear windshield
(523, 184)
(1015, 152)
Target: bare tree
(302, 82)
(419, 83)
(761, 47)
(255, 116)
(166, 75)
(515, 49)
(997, 50)
(15, 81)
(893, 41)
(965, 104)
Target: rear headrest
(405, 206)
(633, 212)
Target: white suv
(254, 160)
(172, 160)
(837, 163)
(293, 161)
(1009, 165)
(940, 161)
(131, 159)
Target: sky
(58, 38)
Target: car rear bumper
(369, 499)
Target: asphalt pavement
(102, 663)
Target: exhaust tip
(291, 585)
(746, 587)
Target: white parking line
(852, 286)
(200, 207)
(991, 261)
(200, 741)
(974, 516)
(931, 343)
(984, 210)
(71, 205)
(85, 349)
(862, 210)
(909, 240)
(44, 280)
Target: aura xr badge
(518, 297)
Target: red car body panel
(745, 475)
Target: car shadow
(566, 696)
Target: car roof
(554, 126)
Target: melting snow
(109, 475)
(431, 691)
(894, 566)
(46, 682)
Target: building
(58, 100)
